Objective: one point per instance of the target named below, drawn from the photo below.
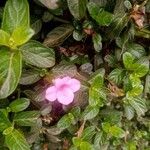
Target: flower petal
(74, 84)
(60, 82)
(65, 96)
(51, 93)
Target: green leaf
(37, 26)
(77, 35)
(139, 105)
(8, 130)
(10, 71)
(16, 14)
(135, 80)
(106, 127)
(110, 115)
(66, 121)
(141, 67)
(111, 60)
(117, 132)
(38, 55)
(96, 97)
(50, 4)
(136, 50)
(131, 145)
(76, 141)
(97, 40)
(121, 41)
(101, 16)
(96, 93)
(128, 60)
(86, 146)
(136, 91)
(118, 24)
(97, 78)
(19, 104)
(77, 8)
(90, 113)
(4, 122)
(116, 76)
(88, 134)
(129, 111)
(16, 141)
(4, 38)
(147, 85)
(62, 70)
(113, 130)
(26, 118)
(29, 76)
(21, 35)
(127, 4)
(58, 35)
(76, 111)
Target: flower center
(62, 87)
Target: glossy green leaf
(136, 91)
(26, 118)
(131, 145)
(141, 67)
(110, 115)
(64, 70)
(76, 141)
(16, 14)
(118, 24)
(21, 35)
(116, 76)
(77, 8)
(136, 50)
(37, 26)
(90, 112)
(147, 85)
(58, 35)
(127, 4)
(10, 71)
(19, 104)
(50, 4)
(101, 16)
(113, 130)
(96, 97)
(111, 60)
(86, 146)
(4, 38)
(77, 35)
(135, 80)
(139, 105)
(66, 121)
(97, 78)
(88, 134)
(106, 127)
(96, 94)
(29, 77)
(4, 122)
(16, 141)
(128, 60)
(117, 131)
(97, 40)
(38, 55)
(129, 111)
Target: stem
(143, 3)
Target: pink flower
(63, 90)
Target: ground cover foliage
(102, 43)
